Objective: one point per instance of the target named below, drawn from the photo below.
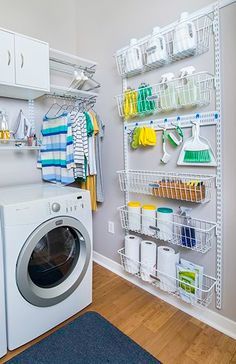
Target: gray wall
(106, 34)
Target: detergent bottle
(156, 52)
(188, 89)
(185, 37)
(133, 58)
(168, 95)
(4, 129)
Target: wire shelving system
(207, 25)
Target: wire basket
(158, 50)
(179, 186)
(198, 236)
(183, 92)
(172, 285)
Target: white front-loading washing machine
(47, 235)
(3, 333)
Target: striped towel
(57, 152)
(80, 144)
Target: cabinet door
(7, 68)
(32, 63)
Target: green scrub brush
(197, 150)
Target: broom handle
(196, 131)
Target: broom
(197, 150)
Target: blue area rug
(90, 339)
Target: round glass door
(54, 257)
(53, 261)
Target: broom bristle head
(197, 156)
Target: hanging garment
(92, 170)
(99, 134)
(90, 185)
(98, 156)
(23, 127)
(80, 140)
(57, 152)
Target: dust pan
(196, 150)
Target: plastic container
(156, 52)
(134, 215)
(165, 223)
(133, 58)
(168, 94)
(185, 37)
(188, 88)
(4, 128)
(148, 219)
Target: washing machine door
(53, 261)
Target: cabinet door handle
(9, 57)
(22, 60)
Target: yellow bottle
(4, 129)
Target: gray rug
(90, 339)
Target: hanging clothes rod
(89, 70)
(70, 97)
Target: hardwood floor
(167, 333)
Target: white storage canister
(165, 223)
(134, 215)
(148, 219)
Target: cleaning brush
(196, 150)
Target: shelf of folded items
(158, 50)
(183, 92)
(194, 295)
(197, 236)
(190, 187)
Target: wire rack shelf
(157, 50)
(179, 186)
(198, 236)
(183, 92)
(194, 295)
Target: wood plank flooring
(167, 333)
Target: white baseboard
(209, 317)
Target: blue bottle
(188, 234)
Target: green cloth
(135, 139)
(89, 124)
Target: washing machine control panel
(67, 206)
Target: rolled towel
(148, 260)
(132, 247)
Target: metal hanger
(55, 103)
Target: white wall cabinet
(7, 55)
(24, 66)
